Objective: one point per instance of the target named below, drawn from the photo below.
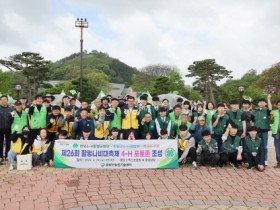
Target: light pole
(241, 91)
(81, 23)
(18, 89)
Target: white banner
(116, 154)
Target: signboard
(116, 154)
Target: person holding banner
(86, 133)
(130, 115)
(21, 145)
(39, 146)
(163, 135)
(115, 134)
(186, 146)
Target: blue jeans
(264, 139)
(11, 157)
(277, 150)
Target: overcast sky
(239, 34)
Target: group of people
(235, 134)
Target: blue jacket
(197, 131)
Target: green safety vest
(236, 120)
(229, 147)
(163, 124)
(173, 119)
(261, 119)
(253, 146)
(20, 121)
(148, 128)
(275, 126)
(117, 121)
(38, 119)
(188, 124)
(205, 147)
(209, 116)
(221, 126)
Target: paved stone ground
(183, 188)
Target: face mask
(25, 132)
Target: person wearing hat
(198, 128)
(52, 122)
(116, 114)
(237, 117)
(163, 122)
(252, 151)
(49, 97)
(20, 118)
(38, 116)
(82, 122)
(231, 150)
(155, 107)
(186, 146)
(175, 118)
(122, 101)
(276, 132)
(66, 122)
(260, 120)
(207, 150)
(5, 126)
(144, 108)
(220, 122)
(130, 114)
(86, 133)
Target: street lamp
(241, 91)
(18, 89)
(81, 23)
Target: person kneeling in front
(207, 150)
(21, 145)
(186, 146)
(253, 153)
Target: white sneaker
(11, 167)
(45, 164)
(266, 163)
(194, 165)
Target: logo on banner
(170, 153)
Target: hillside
(68, 68)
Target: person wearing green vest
(220, 122)
(116, 115)
(175, 118)
(237, 117)
(209, 109)
(260, 119)
(147, 126)
(144, 108)
(207, 150)
(163, 122)
(155, 107)
(198, 111)
(252, 151)
(20, 118)
(38, 115)
(276, 132)
(231, 150)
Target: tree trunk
(29, 89)
(211, 94)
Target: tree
(6, 82)
(158, 70)
(161, 86)
(142, 82)
(207, 73)
(32, 66)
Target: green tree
(142, 82)
(207, 73)
(32, 66)
(161, 86)
(6, 82)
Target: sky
(240, 34)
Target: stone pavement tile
(157, 203)
(183, 202)
(103, 207)
(210, 202)
(221, 207)
(170, 203)
(118, 206)
(144, 204)
(78, 208)
(252, 204)
(197, 202)
(268, 205)
(240, 208)
(90, 207)
(224, 203)
(131, 205)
